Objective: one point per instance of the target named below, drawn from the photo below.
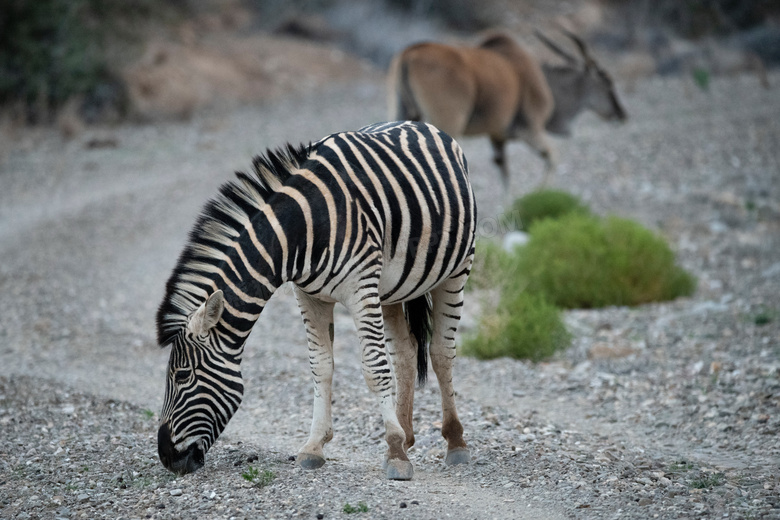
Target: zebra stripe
(373, 219)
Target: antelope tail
(401, 103)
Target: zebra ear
(208, 314)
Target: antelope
(497, 88)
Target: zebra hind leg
(447, 304)
(367, 314)
(403, 356)
(318, 321)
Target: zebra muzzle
(181, 462)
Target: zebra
(381, 220)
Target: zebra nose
(181, 462)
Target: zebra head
(203, 390)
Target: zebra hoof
(457, 456)
(309, 461)
(399, 470)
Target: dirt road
(665, 411)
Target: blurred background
(76, 62)
(119, 118)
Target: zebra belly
(397, 282)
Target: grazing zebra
(381, 220)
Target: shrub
(46, 54)
(764, 316)
(361, 508)
(258, 478)
(524, 326)
(491, 266)
(708, 480)
(542, 204)
(52, 51)
(580, 261)
(573, 260)
(701, 77)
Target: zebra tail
(419, 314)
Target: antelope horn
(580, 45)
(555, 48)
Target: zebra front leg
(318, 320)
(447, 301)
(403, 356)
(367, 313)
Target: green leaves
(584, 262)
(361, 508)
(573, 259)
(47, 53)
(524, 326)
(257, 477)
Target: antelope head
(596, 88)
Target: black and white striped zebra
(381, 220)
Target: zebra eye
(181, 376)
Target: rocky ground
(666, 411)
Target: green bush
(572, 260)
(258, 478)
(542, 204)
(583, 262)
(492, 266)
(54, 50)
(47, 54)
(701, 77)
(764, 316)
(361, 508)
(524, 326)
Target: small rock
(645, 501)
(403, 505)
(83, 498)
(717, 227)
(604, 350)
(695, 368)
(514, 239)
(176, 492)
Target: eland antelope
(497, 88)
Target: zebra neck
(263, 258)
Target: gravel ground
(664, 411)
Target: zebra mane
(221, 221)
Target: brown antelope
(497, 88)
